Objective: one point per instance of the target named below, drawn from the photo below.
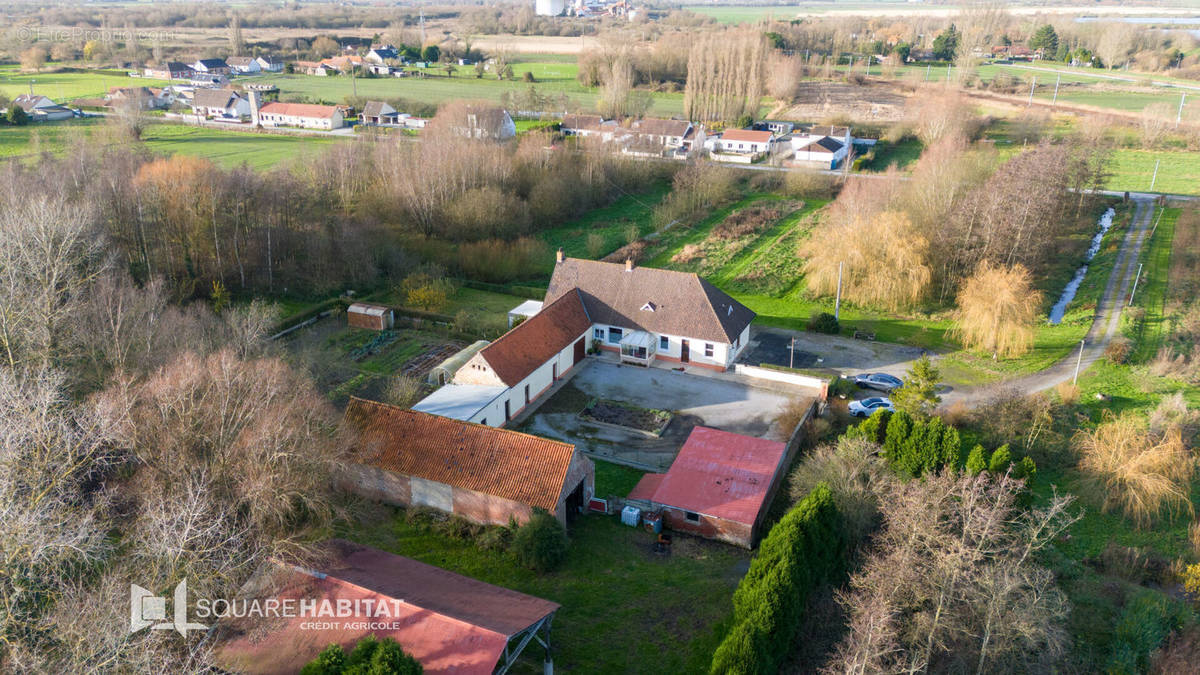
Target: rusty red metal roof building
(718, 474)
(448, 622)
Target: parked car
(870, 406)
(880, 381)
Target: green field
(66, 86)
(552, 78)
(1178, 171)
(226, 148)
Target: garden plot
(348, 361)
(731, 236)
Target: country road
(1104, 325)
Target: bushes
(823, 322)
(1129, 468)
(915, 447)
(541, 543)
(369, 657)
(805, 549)
(1148, 619)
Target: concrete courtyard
(721, 403)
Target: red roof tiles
(536, 340)
(498, 462)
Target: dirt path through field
(1104, 325)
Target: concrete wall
(781, 376)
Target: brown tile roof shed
(683, 303)
(536, 340)
(498, 462)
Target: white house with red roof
(303, 115)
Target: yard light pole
(792, 353)
(1056, 83)
(1032, 86)
(1179, 115)
(837, 302)
(1078, 361)
(1136, 279)
(1154, 178)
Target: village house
(449, 623)
(742, 142)
(382, 54)
(303, 115)
(41, 108)
(639, 314)
(587, 126)
(718, 486)
(486, 475)
(312, 68)
(647, 136)
(143, 98)
(270, 64)
(645, 313)
(378, 113)
(343, 64)
(220, 103)
(243, 65)
(211, 67)
(485, 123)
(171, 70)
(822, 147)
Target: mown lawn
(226, 148)
(1151, 293)
(66, 86)
(1178, 171)
(624, 608)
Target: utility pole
(1136, 279)
(1078, 361)
(948, 67)
(928, 67)
(1032, 86)
(837, 303)
(792, 353)
(1179, 114)
(1154, 178)
(422, 27)
(1056, 83)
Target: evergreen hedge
(805, 549)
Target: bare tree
(997, 308)
(952, 583)
(726, 76)
(48, 254)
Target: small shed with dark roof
(484, 474)
(447, 622)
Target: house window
(691, 517)
(598, 333)
(708, 349)
(614, 335)
(664, 342)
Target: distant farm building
(371, 317)
(485, 475)
(447, 622)
(718, 487)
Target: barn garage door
(580, 350)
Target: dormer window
(648, 307)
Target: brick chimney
(629, 264)
(558, 257)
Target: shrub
(873, 429)
(916, 447)
(824, 322)
(1118, 350)
(369, 657)
(541, 543)
(976, 464)
(855, 476)
(1129, 469)
(1146, 622)
(426, 291)
(1067, 393)
(495, 539)
(1000, 460)
(805, 549)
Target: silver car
(880, 381)
(870, 406)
